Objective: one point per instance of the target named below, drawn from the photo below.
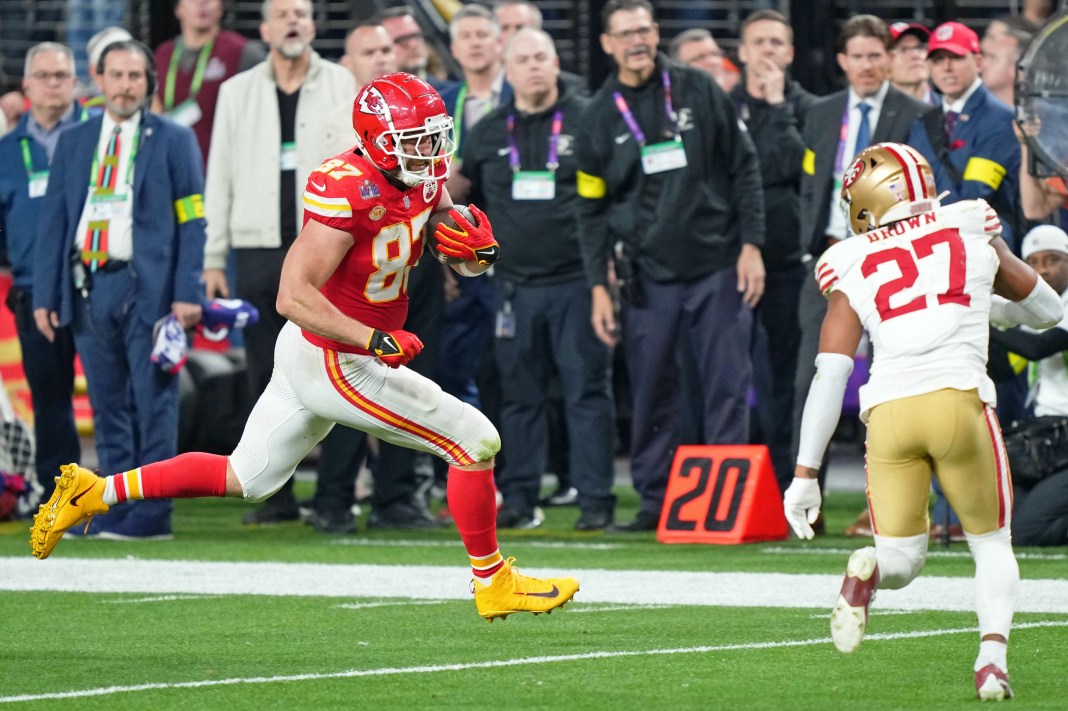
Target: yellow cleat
(79, 496)
(512, 592)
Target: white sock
(997, 578)
(900, 559)
(992, 652)
(110, 497)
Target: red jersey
(370, 285)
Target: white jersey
(1052, 376)
(921, 287)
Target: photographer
(1040, 517)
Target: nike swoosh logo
(555, 592)
(485, 253)
(503, 151)
(620, 140)
(317, 186)
(388, 343)
(74, 499)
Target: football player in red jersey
(341, 357)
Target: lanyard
(198, 73)
(27, 157)
(129, 169)
(552, 163)
(632, 123)
(843, 135)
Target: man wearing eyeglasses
(25, 154)
(671, 184)
(413, 54)
(908, 61)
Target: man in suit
(120, 246)
(837, 127)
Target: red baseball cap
(954, 38)
(900, 29)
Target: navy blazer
(986, 156)
(168, 218)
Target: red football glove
(471, 243)
(396, 348)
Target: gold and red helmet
(887, 182)
(401, 108)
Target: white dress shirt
(120, 230)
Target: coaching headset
(132, 45)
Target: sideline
(522, 661)
(630, 587)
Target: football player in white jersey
(919, 279)
(341, 357)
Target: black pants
(49, 368)
(1040, 516)
(719, 327)
(553, 333)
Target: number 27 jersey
(921, 287)
(370, 285)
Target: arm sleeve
(823, 407)
(188, 200)
(1042, 308)
(1032, 346)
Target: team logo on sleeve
(377, 212)
(430, 190)
(407, 202)
(853, 174)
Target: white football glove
(801, 503)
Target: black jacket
(538, 238)
(690, 222)
(776, 133)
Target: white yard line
(458, 545)
(522, 661)
(622, 587)
(932, 553)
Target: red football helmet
(392, 115)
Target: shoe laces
(522, 583)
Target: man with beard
(114, 260)
(272, 128)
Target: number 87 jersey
(370, 285)
(921, 287)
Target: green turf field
(159, 644)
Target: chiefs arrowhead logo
(372, 102)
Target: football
(446, 219)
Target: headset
(134, 46)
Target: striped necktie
(95, 247)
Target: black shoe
(563, 496)
(336, 522)
(510, 518)
(403, 514)
(272, 512)
(642, 522)
(593, 520)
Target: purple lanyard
(843, 135)
(628, 115)
(554, 140)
